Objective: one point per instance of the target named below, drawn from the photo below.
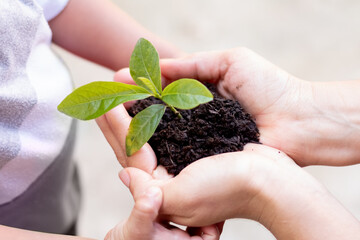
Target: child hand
(143, 223)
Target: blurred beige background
(313, 39)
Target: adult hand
(259, 183)
(143, 223)
(314, 123)
(219, 187)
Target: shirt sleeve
(52, 8)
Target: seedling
(95, 99)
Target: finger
(124, 76)
(206, 233)
(173, 234)
(210, 66)
(119, 121)
(140, 224)
(111, 139)
(136, 180)
(210, 232)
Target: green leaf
(94, 99)
(144, 62)
(142, 127)
(186, 94)
(148, 85)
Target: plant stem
(175, 111)
(171, 107)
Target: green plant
(95, 99)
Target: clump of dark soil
(216, 127)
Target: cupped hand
(279, 102)
(283, 105)
(115, 123)
(216, 188)
(259, 183)
(264, 90)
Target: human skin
(144, 223)
(99, 31)
(106, 38)
(259, 183)
(315, 123)
(293, 115)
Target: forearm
(335, 120)
(101, 32)
(20, 234)
(290, 202)
(309, 214)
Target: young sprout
(95, 99)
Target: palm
(226, 178)
(273, 97)
(270, 94)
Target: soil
(216, 127)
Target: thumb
(140, 224)
(138, 181)
(143, 215)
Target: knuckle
(144, 207)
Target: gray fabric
(46, 205)
(15, 46)
(48, 200)
(32, 135)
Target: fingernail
(125, 177)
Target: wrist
(291, 203)
(336, 122)
(275, 185)
(323, 120)
(265, 180)
(304, 209)
(290, 197)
